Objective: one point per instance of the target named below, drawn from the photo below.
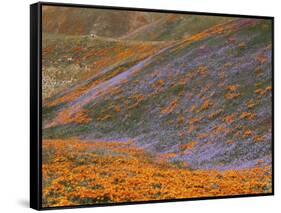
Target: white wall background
(14, 105)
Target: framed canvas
(133, 105)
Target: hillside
(174, 27)
(70, 59)
(203, 100)
(126, 25)
(105, 23)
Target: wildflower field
(86, 172)
(162, 106)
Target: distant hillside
(83, 21)
(204, 100)
(174, 27)
(141, 26)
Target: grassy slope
(125, 24)
(174, 27)
(83, 21)
(205, 101)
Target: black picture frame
(36, 102)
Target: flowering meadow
(141, 106)
(79, 172)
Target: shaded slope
(205, 101)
